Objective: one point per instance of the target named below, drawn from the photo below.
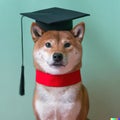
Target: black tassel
(22, 82)
(22, 79)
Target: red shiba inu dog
(58, 53)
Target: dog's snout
(57, 57)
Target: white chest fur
(61, 103)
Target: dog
(59, 53)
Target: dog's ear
(36, 31)
(78, 31)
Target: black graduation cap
(49, 19)
(55, 18)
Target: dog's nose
(57, 57)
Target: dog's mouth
(58, 64)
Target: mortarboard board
(49, 19)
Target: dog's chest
(58, 103)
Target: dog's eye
(48, 45)
(66, 45)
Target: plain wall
(101, 56)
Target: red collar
(58, 80)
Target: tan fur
(58, 39)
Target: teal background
(101, 56)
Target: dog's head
(57, 52)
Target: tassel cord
(22, 50)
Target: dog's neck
(58, 80)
